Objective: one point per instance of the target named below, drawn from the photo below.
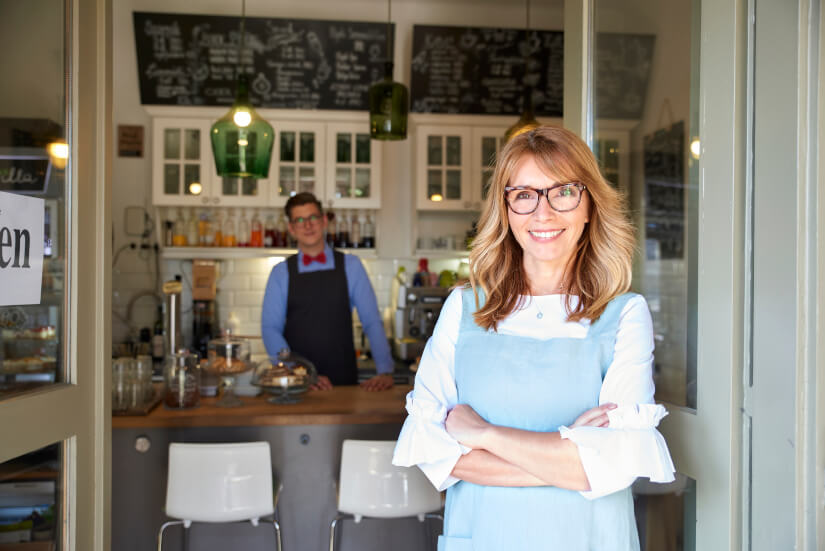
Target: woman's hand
(596, 417)
(467, 426)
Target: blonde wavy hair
(600, 268)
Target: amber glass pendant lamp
(241, 139)
(388, 100)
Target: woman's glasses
(561, 198)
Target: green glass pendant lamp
(527, 121)
(241, 139)
(388, 100)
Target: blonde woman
(533, 402)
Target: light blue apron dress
(535, 385)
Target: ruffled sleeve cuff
(631, 447)
(425, 442)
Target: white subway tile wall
(241, 284)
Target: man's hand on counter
(323, 383)
(379, 382)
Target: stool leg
(277, 535)
(433, 516)
(162, 528)
(332, 526)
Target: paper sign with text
(21, 249)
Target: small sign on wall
(21, 249)
(129, 141)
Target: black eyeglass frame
(580, 186)
(312, 219)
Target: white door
(54, 398)
(669, 73)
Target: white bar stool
(371, 486)
(220, 483)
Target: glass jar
(228, 355)
(182, 377)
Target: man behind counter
(309, 299)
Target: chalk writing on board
(665, 193)
(483, 70)
(186, 59)
(623, 63)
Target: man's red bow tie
(321, 259)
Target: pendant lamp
(527, 121)
(388, 100)
(241, 139)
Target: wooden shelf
(229, 253)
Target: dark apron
(319, 320)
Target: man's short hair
(303, 198)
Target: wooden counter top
(344, 405)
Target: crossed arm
(503, 456)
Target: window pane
(192, 175)
(434, 189)
(343, 182)
(651, 78)
(171, 179)
(486, 180)
(307, 147)
(286, 181)
(343, 148)
(434, 153)
(488, 151)
(362, 148)
(453, 150)
(362, 182)
(171, 143)
(287, 146)
(249, 187)
(31, 488)
(453, 184)
(306, 181)
(192, 144)
(230, 186)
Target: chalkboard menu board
(623, 64)
(483, 70)
(186, 59)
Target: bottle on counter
(332, 229)
(157, 338)
(281, 233)
(179, 230)
(217, 228)
(343, 233)
(203, 229)
(368, 233)
(192, 229)
(421, 278)
(230, 229)
(243, 230)
(355, 231)
(256, 231)
(269, 231)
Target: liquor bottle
(256, 234)
(332, 231)
(281, 234)
(368, 233)
(421, 278)
(230, 230)
(343, 233)
(269, 231)
(243, 231)
(179, 230)
(217, 228)
(355, 231)
(192, 229)
(203, 229)
(157, 338)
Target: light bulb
(59, 150)
(695, 148)
(243, 142)
(195, 188)
(242, 118)
(436, 197)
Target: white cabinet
(442, 160)
(336, 161)
(487, 143)
(298, 161)
(354, 167)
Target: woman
(533, 402)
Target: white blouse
(612, 457)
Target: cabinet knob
(142, 444)
(216, 200)
(477, 205)
(467, 204)
(204, 200)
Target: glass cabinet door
(354, 181)
(296, 161)
(183, 162)
(442, 164)
(487, 144)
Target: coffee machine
(415, 311)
